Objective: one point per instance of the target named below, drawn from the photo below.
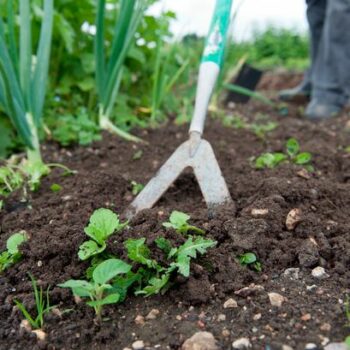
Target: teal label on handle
(216, 39)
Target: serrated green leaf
(139, 252)
(155, 285)
(89, 249)
(163, 244)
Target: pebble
(153, 314)
(138, 345)
(319, 273)
(225, 333)
(140, 320)
(221, 317)
(200, 341)
(326, 327)
(336, 346)
(26, 325)
(259, 212)
(293, 219)
(257, 317)
(292, 273)
(230, 303)
(310, 346)
(306, 317)
(286, 347)
(276, 299)
(250, 290)
(241, 344)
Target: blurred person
(327, 81)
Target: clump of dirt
(263, 198)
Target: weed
(250, 259)
(42, 306)
(99, 290)
(179, 222)
(271, 160)
(103, 223)
(136, 188)
(12, 254)
(260, 130)
(55, 188)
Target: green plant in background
(179, 222)
(10, 180)
(250, 259)
(12, 254)
(42, 306)
(271, 160)
(103, 223)
(109, 73)
(23, 80)
(261, 129)
(99, 290)
(136, 188)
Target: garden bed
(313, 309)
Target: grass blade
(99, 49)
(25, 53)
(40, 76)
(12, 36)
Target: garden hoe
(196, 152)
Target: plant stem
(33, 155)
(106, 124)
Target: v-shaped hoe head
(198, 155)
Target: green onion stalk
(109, 71)
(23, 80)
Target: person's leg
(316, 13)
(330, 73)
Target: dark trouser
(329, 74)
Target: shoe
(301, 92)
(317, 110)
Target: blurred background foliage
(159, 77)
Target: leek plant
(109, 71)
(23, 80)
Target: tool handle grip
(211, 62)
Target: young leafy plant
(12, 254)
(23, 81)
(271, 160)
(250, 259)
(103, 223)
(42, 306)
(109, 73)
(100, 291)
(136, 188)
(179, 222)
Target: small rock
(326, 327)
(139, 320)
(77, 299)
(200, 341)
(257, 317)
(225, 333)
(311, 288)
(127, 349)
(259, 212)
(286, 347)
(153, 314)
(292, 273)
(221, 318)
(250, 290)
(319, 273)
(293, 219)
(56, 311)
(241, 344)
(179, 317)
(310, 346)
(41, 335)
(230, 304)
(336, 346)
(276, 299)
(39, 263)
(306, 317)
(138, 345)
(304, 174)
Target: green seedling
(250, 259)
(10, 180)
(271, 160)
(260, 130)
(99, 290)
(42, 306)
(136, 188)
(12, 254)
(55, 188)
(103, 223)
(234, 121)
(181, 259)
(179, 222)
(140, 253)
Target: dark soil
(55, 223)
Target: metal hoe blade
(206, 170)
